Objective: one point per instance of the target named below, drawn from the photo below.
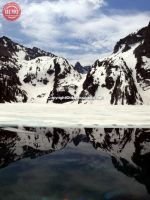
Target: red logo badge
(11, 11)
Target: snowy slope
(112, 80)
(39, 75)
(123, 77)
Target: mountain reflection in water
(84, 169)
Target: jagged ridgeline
(33, 75)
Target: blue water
(73, 173)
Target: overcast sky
(79, 30)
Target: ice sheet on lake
(41, 115)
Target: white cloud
(47, 19)
(77, 28)
(85, 58)
(104, 30)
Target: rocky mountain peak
(10, 49)
(4, 38)
(81, 69)
(126, 43)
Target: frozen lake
(46, 115)
(77, 152)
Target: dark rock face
(116, 78)
(8, 49)
(130, 93)
(82, 70)
(142, 38)
(36, 52)
(127, 42)
(10, 86)
(64, 90)
(143, 67)
(90, 86)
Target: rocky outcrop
(81, 69)
(113, 81)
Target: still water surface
(59, 164)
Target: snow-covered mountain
(33, 75)
(123, 77)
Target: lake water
(74, 164)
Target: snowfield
(75, 116)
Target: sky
(79, 30)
